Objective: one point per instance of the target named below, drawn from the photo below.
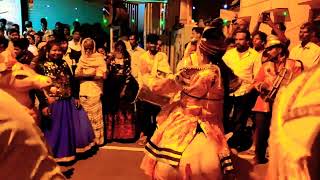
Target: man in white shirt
(32, 48)
(75, 43)
(153, 64)
(135, 52)
(44, 29)
(307, 52)
(245, 63)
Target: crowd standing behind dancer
(145, 64)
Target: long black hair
(121, 47)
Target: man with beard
(308, 52)
(13, 34)
(153, 64)
(245, 63)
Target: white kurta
(309, 55)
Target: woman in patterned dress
(120, 92)
(67, 130)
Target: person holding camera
(278, 29)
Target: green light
(132, 20)
(285, 13)
(77, 19)
(162, 22)
(105, 21)
(225, 21)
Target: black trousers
(262, 121)
(237, 111)
(146, 118)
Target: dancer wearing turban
(189, 141)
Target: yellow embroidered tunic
(200, 104)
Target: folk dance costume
(189, 141)
(295, 129)
(91, 88)
(68, 131)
